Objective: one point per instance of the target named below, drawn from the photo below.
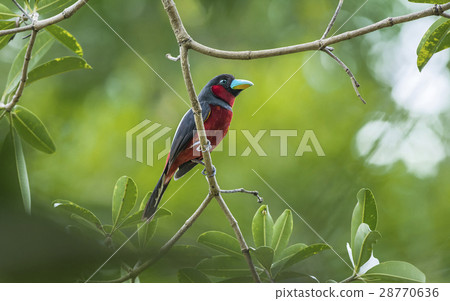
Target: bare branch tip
(174, 59)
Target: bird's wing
(185, 132)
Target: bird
(216, 100)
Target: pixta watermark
(149, 141)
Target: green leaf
(186, 255)
(124, 199)
(22, 171)
(434, 40)
(262, 227)
(306, 252)
(87, 224)
(65, 38)
(365, 212)
(224, 266)
(32, 130)
(146, 232)
(295, 277)
(221, 242)
(6, 25)
(243, 279)
(429, 1)
(42, 44)
(264, 256)
(191, 275)
(136, 218)
(49, 6)
(363, 246)
(57, 66)
(6, 14)
(285, 256)
(73, 208)
(394, 271)
(282, 231)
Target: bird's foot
(213, 174)
(207, 147)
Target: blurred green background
(397, 145)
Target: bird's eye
(223, 81)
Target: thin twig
(170, 57)
(167, 246)
(39, 24)
(242, 190)
(347, 70)
(333, 19)
(24, 77)
(237, 231)
(22, 10)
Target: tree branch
(242, 190)
(23, 79)
(317, 44)
(66, 13)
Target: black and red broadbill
(216, 99)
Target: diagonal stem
(347, 70)
(333, 19)
(24, 77)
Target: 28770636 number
(409, 292)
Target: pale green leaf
(65, 38)
(434, 40)
(285, 256)
(264, 255)
(57, 66)
(22, 171)
(224, 266)
(306, 252)
(363, 246)
(136, 218)
(365, 212)
(32, 130)
(73, 208)
(221, 242)
(282, 231)
(262, 227)
(394, 271)
(124, 199)
(6, 25)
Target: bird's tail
(155, 197)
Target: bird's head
(225, 87)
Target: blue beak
(240, 84)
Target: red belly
(216, 126)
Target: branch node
(437, 10)
(391, 21)
(174, 59)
